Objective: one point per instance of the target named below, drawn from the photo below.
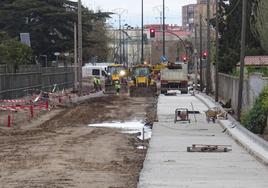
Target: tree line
(230, 14)
(50, 24)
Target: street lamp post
(57, 57)
(142, 38)
(120, 42)
(164, 40)
(75, 57)
(200, 52)
(66, 54)
(217, 56)
(208, 80)
(80, 55)
(45, 56)
(123, 49)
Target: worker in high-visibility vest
(96, 83)
(117, 87)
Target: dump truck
(115, 72)
(142, 84)
(174, 77)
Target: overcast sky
(133, 7)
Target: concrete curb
(255, 145)
(78, 100)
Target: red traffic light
(184, 58)
(152, 32)
(205, 54)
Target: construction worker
(117, 87)
(96, 83)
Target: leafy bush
(235, 72)
(263, 70)
(12, 51)
(255, 120)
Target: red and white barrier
(14, 101)
(14, 108)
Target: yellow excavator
(115, 72)
(142, 84)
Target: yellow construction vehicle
(115, 72)
(156, 69)
(142, 84)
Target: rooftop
(255, 61)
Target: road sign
(25, 39)
(164, 58)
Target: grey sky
(133, 7)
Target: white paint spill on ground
(141, 147)
(131, 127)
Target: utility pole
(164, 40)
(242, 59)
(217, 55)
(195, 56)
(127, 54)
(208, 80)
(200, 52)
(142, 38)
(80, 55)
(120, 36)
(123, 48)
(75, 57)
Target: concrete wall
(256, 85)
(253, 86)
(26, 78)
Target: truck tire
(184, 91)
(163, 91)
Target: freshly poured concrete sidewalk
(168, 164)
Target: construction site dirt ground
(63, 151)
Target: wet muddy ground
(65, 152)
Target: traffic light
(204, 55)
(152, 33)
(184, 59)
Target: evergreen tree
(230, 31)
(49, 22)
(259, 22)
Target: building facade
(188, 15)
(127, 42)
